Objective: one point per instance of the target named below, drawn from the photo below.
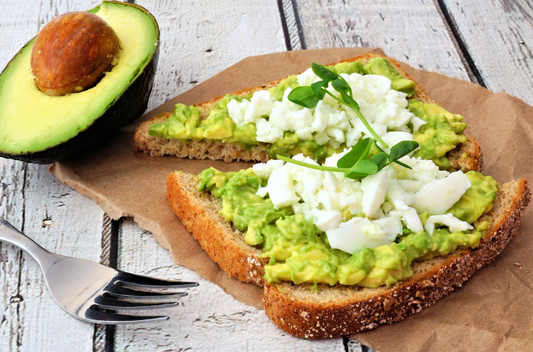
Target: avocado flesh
(34, 126)
(300, 252)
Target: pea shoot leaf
(402, 164)
(362, 169)
(358, 152)
(340, 86)
(304, 96)
(324, 73)
(380, 159)
(318, 89)
(402, 149)
(353, 104)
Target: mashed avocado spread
(441, 132)
(299, 252)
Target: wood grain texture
(12, 177)
(291, 25)
(499, 37)
(67, 223)
(207, 319)
(201, 38)
(62, 221)
(49, 212)
(410, 31)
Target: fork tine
(109, 303)
(148, 282)
(127, 294)
(111, 318)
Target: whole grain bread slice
(468, 155)
(342, 310)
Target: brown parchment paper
(493, 311)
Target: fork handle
(10, 234)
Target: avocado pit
(72, 52)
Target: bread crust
(466, 156)
(199, 212)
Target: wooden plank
(410, 31)
(498, 36)
(200, 39)
(48, 211)
(64, 222)
(12, 176)
(67, 223)
(290, 25)
(207, 319)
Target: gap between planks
(455, 34)
(292, 27)
(104, 335)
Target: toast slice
(465, 157)
(342, 310)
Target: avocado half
(40, 128)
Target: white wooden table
(489, 42)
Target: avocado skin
(127, 107)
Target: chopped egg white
(449, 220)
(409, 217)
(395, 137)
(264, 170)
(281, 188)
(375, 188)
(307, 77)
(358, 233)
(440, 195)
(329, 122)
(335, 203)
(417, 123)
(326, 220)
(410, 185)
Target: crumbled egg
(395, 137)
(440, 195)
(410, 218)
(327, 220)
(336, 204)
(388, 200)
(449, 220)
(329, 122)
(358, 233)
(264, 170)
(281, 188)
(375, 188)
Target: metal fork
(92, 292)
